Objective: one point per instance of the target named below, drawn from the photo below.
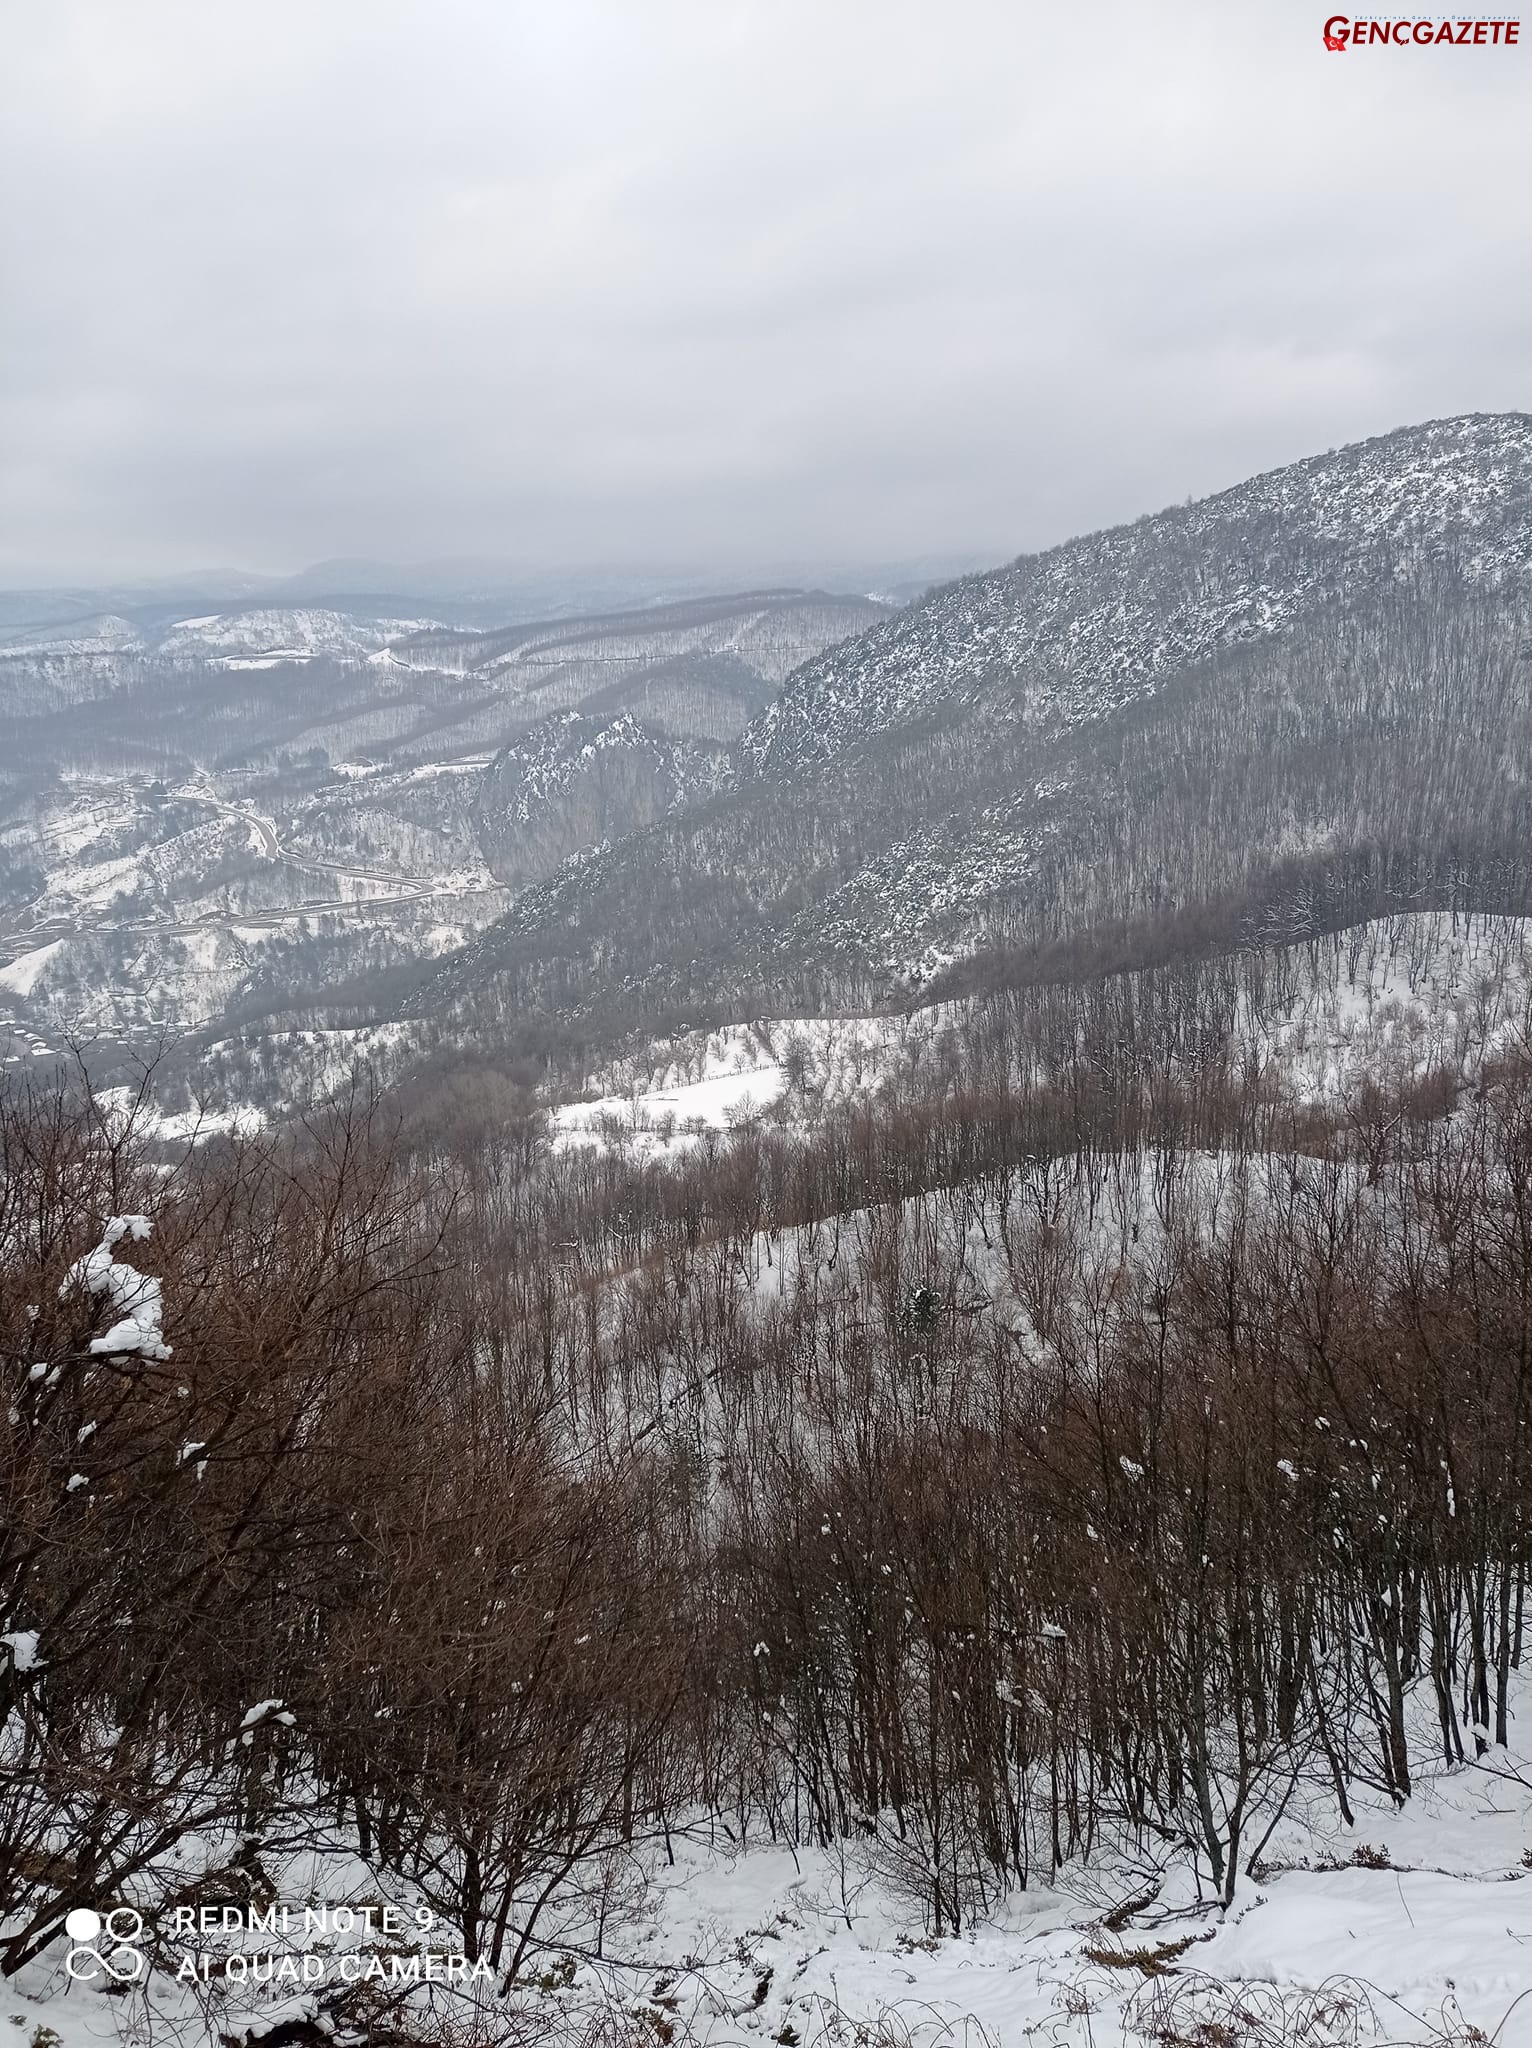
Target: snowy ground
(1447, 1925)
(1409, 1928)
(191, 1125)
(1409, 993)
(716, 1080)
(657, 1120)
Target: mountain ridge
(1338, 640)
(832, 704)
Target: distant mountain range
(467, 591)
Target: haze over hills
(467, 591)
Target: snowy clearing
(1410, 1928)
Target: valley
(239, 852)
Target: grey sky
(722, 283)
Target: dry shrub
(1191, 2010)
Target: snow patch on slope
(24, 972)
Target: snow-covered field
(21, 976)
(668, 1119)
(191, 1126)
(717, 1080)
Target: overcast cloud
(720, 283)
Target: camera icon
(105, 1943)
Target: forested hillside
(1292, 706)
(1365, 750)
(1088, 1466)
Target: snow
(312, 1064)
(106, 635)
(719, 1103)
(134, 1296)
(154, 895)
(716, 1080)
(23, 1646)
(194, 1125)
(1453, 1924)
(1392, 999)
(1403, 995)
(432, 771)
(262, 637)
(546, 761)
(263, 1711)
(24, 972)
(661, 1100)
(1428, 1932)
(1103, 619)
(200, 1124)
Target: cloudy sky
(720, 284)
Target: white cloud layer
(720, 283)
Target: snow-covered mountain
(699, 668)
(73, 660)
(1082, 629)
(1296, 703)
(576, 781)
(238, 639)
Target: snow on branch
(133, 1296)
